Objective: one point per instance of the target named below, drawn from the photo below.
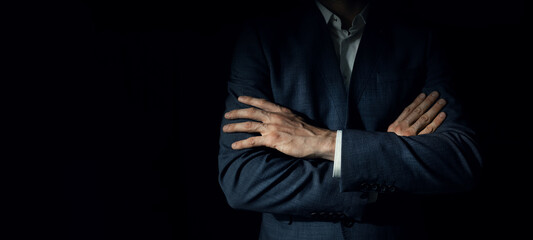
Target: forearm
(443, 162)
(265, 180)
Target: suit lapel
(370, 51)
(327, 65)
(365, 68)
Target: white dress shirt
(346, 43)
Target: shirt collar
(328, 15)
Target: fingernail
(435, 94)
(442, 115)
(422, 95)
(225, 128)
(442, 101)
(233, 145)
(227, 115)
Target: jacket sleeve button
(348, 222)
(365, 187)
(364, 195)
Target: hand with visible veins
(287, 132)
(280, 129)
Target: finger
(261, 103)
(422, 107)
(248, 143)
(406, 111)
(247, 113)
(419, 99)
(249, 127)
(427, 117)
(436, 108)
(434, 124)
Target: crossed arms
(277, 163)
(272, 160)
(281, 129)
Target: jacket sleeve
(445, 161)
(263, 179)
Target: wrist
(327, 145)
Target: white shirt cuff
(337, 157)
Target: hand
(280, 129)
(414, 120)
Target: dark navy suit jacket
(290, 60)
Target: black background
(115, 109)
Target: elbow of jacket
(234, 200)
(234, 203)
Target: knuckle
(275, 117)
(263, 126)
(267, 113)
(410, 132)
(424, 118)
(261, 101)
(433, 95)
(273, 127)
(285, 110)
(398, 129)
